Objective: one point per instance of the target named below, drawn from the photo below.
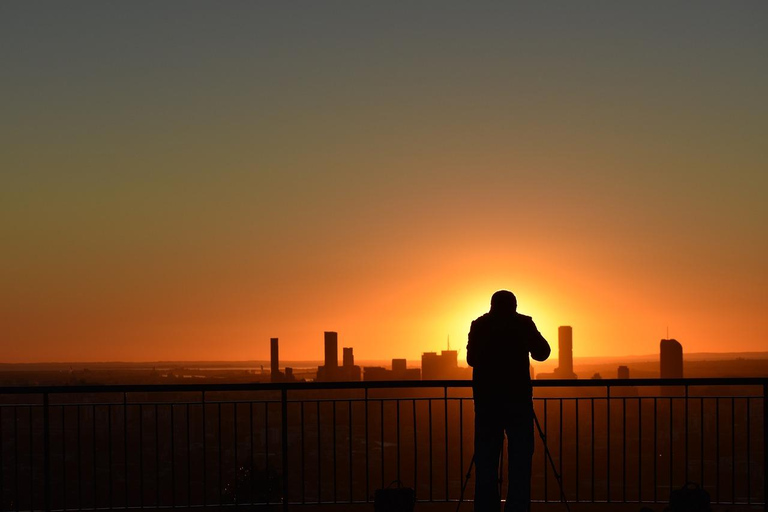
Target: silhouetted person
(499, 344)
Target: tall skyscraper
(331, 350)
(564, 368)
(274, 360)
(565, 351)
(331, 371)
(671, 359)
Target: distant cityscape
(445, 365)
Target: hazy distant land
(729, 364)
(256, 364)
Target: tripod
(558, 477)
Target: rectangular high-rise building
(349, 357)
(670, 359)
(274, 359)
(450, 359)
(565, 350)
(623, 372)
(564, 368)
(331, 350)
(430, 368)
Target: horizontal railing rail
(196, 445)
(392, 384)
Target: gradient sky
(184, 180)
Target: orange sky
(245, 172)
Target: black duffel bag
(394, 499)
(689, 498)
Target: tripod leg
(466, 481)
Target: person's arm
(471, 346)
(539, 347)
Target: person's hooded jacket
(498, 349)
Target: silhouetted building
(443, 366)
(623, 372)
(331, 349)
(349, 371)
(671, 359)
(348, 357)
(564, 368)
(275, 375)
(328, 371)
(430, 365)
(331, 371)
(399, 371)
(414, 374)
(376, 373)
(565, 352)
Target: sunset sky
(183, 180)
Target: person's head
(503, 301)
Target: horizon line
(653, 357)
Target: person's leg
(519, 428)
(489, 436)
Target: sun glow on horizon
(379, 183)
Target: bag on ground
(689, 498)
(394, 499)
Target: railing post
(205, 450)
(445, 408)
(765, 446)
(686, 433)
(284, 439)
(46, 454)
(608, 443)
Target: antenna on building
(449, 342)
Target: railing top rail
(400, 384)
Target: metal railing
(152, 446)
